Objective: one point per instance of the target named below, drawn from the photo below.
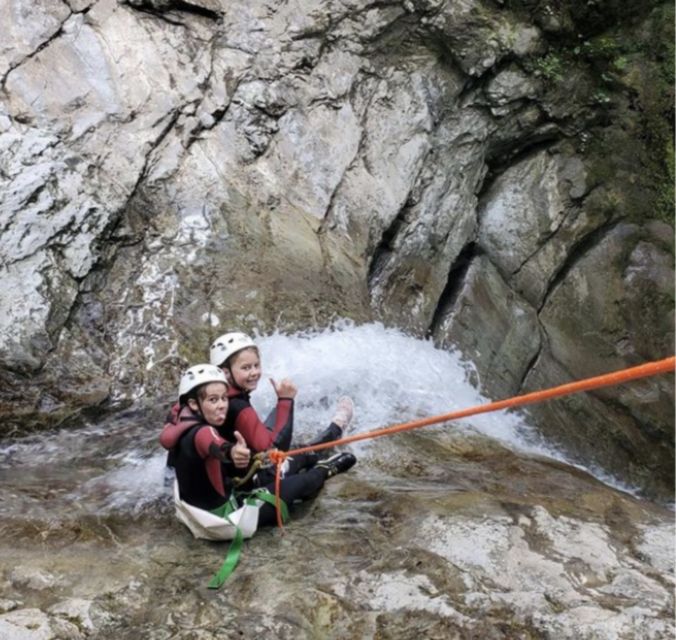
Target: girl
(238, 356)
(204, 460)
(208, 456)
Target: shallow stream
(473, 529)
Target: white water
(391, 377)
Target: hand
(285, 389)
(239, 452)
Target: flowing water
(115, 464)
(99, 489)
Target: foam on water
(136, 484)
(391, 377)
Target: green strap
(226, 508)
(235, 548)
(230, 562)
(266, 496)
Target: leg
(293, 489)
(339, 423)
(297, 463)
(298, 487)
(331, 433)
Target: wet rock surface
(462, 539)
(462, 530)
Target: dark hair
(197, 393)
(192, 394)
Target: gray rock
(530, 220)
(497, 329)
(590, 320)
(27, 29)
(32, 578)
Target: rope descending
(666, 365)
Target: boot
(338, 463)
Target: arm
(209, 443)
(221, 457)
(256, 434)
(174, 428)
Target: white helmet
(198, 375)
(228, 345)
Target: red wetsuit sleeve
(209, 446)
(256, 434)
(174, 428)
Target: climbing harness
(250, 499)
(256, 464)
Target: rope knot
(277, 457)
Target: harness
(236, 519)
(248, 499)
(256, 464)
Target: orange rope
(278, 458)
(618, 377)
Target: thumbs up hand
(240, 452)
(285, 388)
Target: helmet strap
(199, 411)
(231, 376)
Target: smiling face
(212, 403)
(245, 369)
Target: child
(238, 356)
(205, 461)
(208, 455)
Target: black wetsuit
(275, 433)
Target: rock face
(491, 174)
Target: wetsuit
(301, 481)
(259, 436)
(172, 431)
(201, 457)
(276, 431)
(205, 471)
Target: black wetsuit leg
(293, 488)
(297, 463)
(331, 433)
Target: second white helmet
(198, 375)
(228, 345)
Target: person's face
(245, 369)
(213, 403)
